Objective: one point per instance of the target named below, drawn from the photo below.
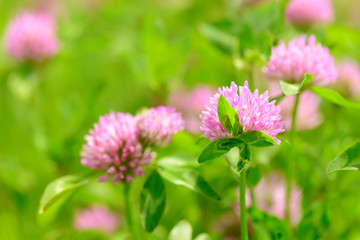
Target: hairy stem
(243, 211)
(128, 211)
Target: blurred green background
(127, 55)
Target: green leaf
(253, 176)
(261, 233)
(334, 97)
(289, 88)
(152, 201)
(308, 78)
(217, 148)
(257, 139)
(271, 225)
(241, 165)
(60, 188)
(189, 179)
(178, 160)
(181, 231)
(294, 88)
(244, 157)
(203, 236)
(200, 139)
(314, 223)
(232, 158)
(228, 116)
(348, 160)
(245, 153)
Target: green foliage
(245, 153)
(308, 78)
(188, 178)
(236, 36)
(181, 231)
(203, 236)
(152, 201)
(253, 176)
(228, 117)
(289, 88)
(314, 223)
(240, 166)
(268, 226)
(127, 55)
(218, 148)
(178, 160)
(60, 188)
(295, 88)
(221, 146)
(348, 160)
(334, 97)
(222, 40)
(245, 156)
(91, 235)
(257, 139)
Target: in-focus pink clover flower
(254, 110)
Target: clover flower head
(300, 56)
(113, 146)
(255, 113)
(31, 36)
(309, 12)
(96, 218)
(349, 77)
(157, 125)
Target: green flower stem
(128, 211)
(243, 211)
(291, 161)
